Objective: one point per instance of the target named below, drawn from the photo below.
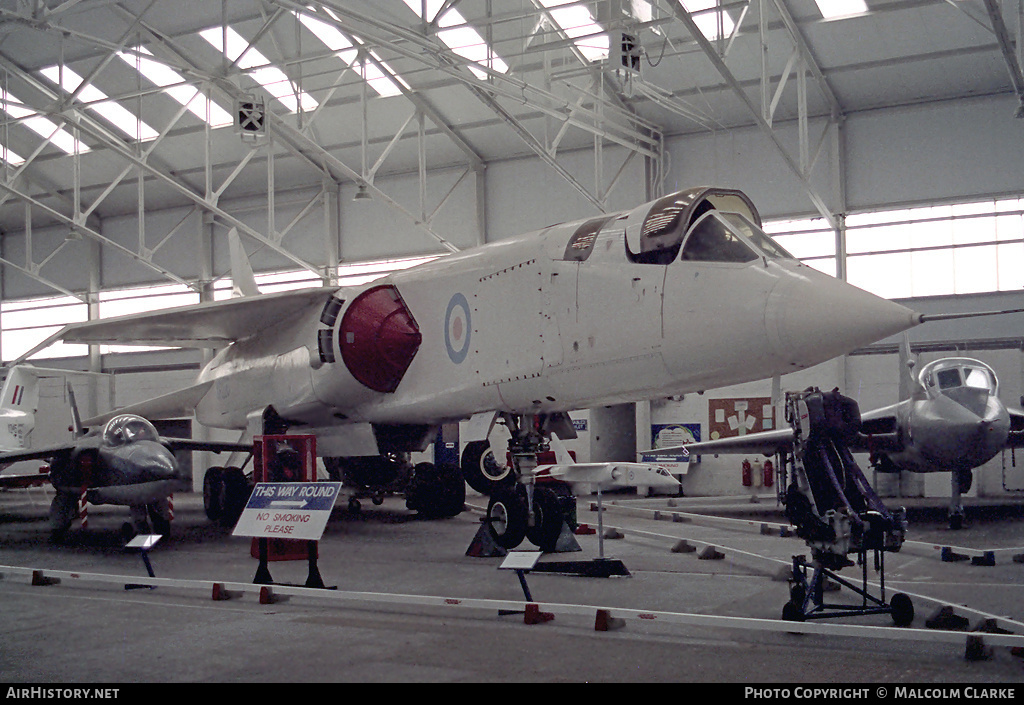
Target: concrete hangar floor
(411, 606)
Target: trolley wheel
(902, 610)
(792, 612)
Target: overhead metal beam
(1006, 46)
(99, 237)
(299, 143)
(125, 152)
(755, 112)
(421, 48)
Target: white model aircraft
(681, 294)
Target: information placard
(288, 510)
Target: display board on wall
(738, 416)
(669, 435)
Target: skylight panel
(337, 42)
(9, 157)
(45, 128)
(577, 22)
(461, 38)
(707, 22)
(176, 87)
(834, 9)
(273, 79)
(119, 116)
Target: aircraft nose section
(811, 317)
(149, 461)
(991, 430)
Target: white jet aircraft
(680, 294)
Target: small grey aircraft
(949, 419)
(126, 462)
(680, 294)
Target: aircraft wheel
(128, 532)
(902, 610)
(160, 517)
(63, 510)
(236, 494)
(213, 493)
(482, 471)
(964, 480)
(792, 612)
(507, 516)
(436, 492)
(548, 519)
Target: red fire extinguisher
(769, 473)
(747, 473)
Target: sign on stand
(288, 510)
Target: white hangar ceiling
(450, 84)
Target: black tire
(964, 480)
(213, 493)
(236, 495)
(507, 517)
(792, 612)
(481, 469)
(436, 492)
(902, 610)
(548, 519)
(63, 510)
(160, 517)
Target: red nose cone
(379, 338)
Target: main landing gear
(519, 508)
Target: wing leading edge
(205, 325)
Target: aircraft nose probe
(814, 317)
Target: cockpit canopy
(948, 374)
(705, 225)
(700, 225)
(128, 428)
(728, 237)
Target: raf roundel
(457, 328)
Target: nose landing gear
(522, 509)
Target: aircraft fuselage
(942, 434)
(573, 316)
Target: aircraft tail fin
(562, 456)
(19, 401)
(242, 277)
(76, 419)
(907, 363)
